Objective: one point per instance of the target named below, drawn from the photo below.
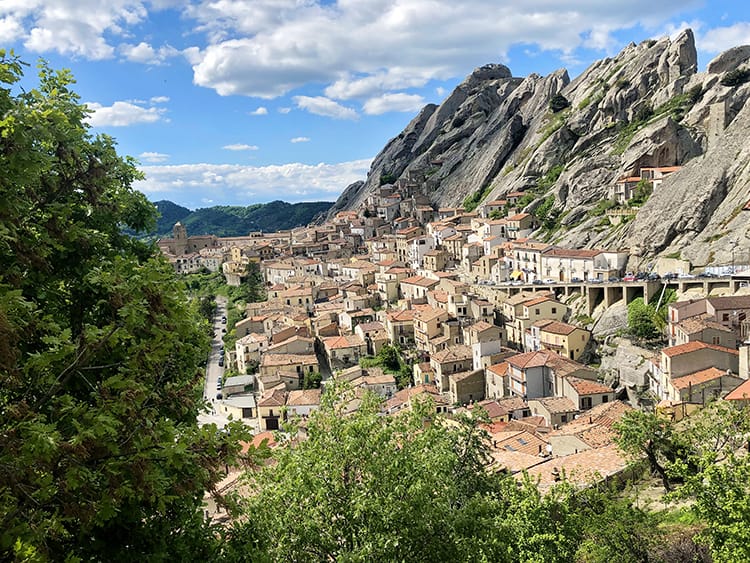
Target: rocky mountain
(235, 220)
(565, 143)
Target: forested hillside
(235, 220)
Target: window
(536, 311)
(564, 418)
(725, 317)
(554, 310)
(605, 398)
(715, 340)
(585, 403)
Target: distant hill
(234, 220)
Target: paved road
(213, 369)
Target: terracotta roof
(556, 405)
(518, 441)
(288, 359)
(694, 325)
(401, 316)
(571, 252)
(406, 395)
(529, 360)
(580, 469)
(425, 315)
(276, 398)
(493, 408)
(586, 387)
(593, 426)
(694, 346)
(537, 300)
(518, 217)
(697, 378)
(342, 342)
(420, 281)
(739, 393)
(730, 302)
(303, 397)
(500, 369)
(512, 404)
(456, 353)
(480, 326)
(461, 375)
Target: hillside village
(481, 315)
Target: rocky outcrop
(647, 106)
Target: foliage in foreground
(415, 487)
(100, 454)
(702, 459)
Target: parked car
(641, 276)
(595, 280)
(549, 281)
(221, 362)
(219, 396)
(537, 282)
(654, 277)
(576, 280)
(629, 277)
(614, 279)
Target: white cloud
(239, 184)
(75, 27)
(10, 29)
(153, 157)
(300, 140)
(285, 110)
(146, 54)
(722, 38)
(440, 91)
(267, 48)
(320, 105)
(260, 111)
(393, 102)
(121, 114)
(240, 147)
(159, 99)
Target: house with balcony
(563, 338)
(415, 288)
(399, 326)
(453, 359)
(685, 359)
(520, 225)
(521, 311)
(428, 325)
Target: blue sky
(243, 101)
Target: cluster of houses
(399, 272)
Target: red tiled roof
(696, 378)
(739, 393)
(694, 346)
(586, 387)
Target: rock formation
(648, 106)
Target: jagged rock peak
(487, 72)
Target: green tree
(363, 487)
(100, 454)
(641, 434)
(312, 380)
(716, 473)
(641, 320)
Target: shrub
(558, 103)
(736, 77)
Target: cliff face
(648, 106)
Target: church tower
(179, 233)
